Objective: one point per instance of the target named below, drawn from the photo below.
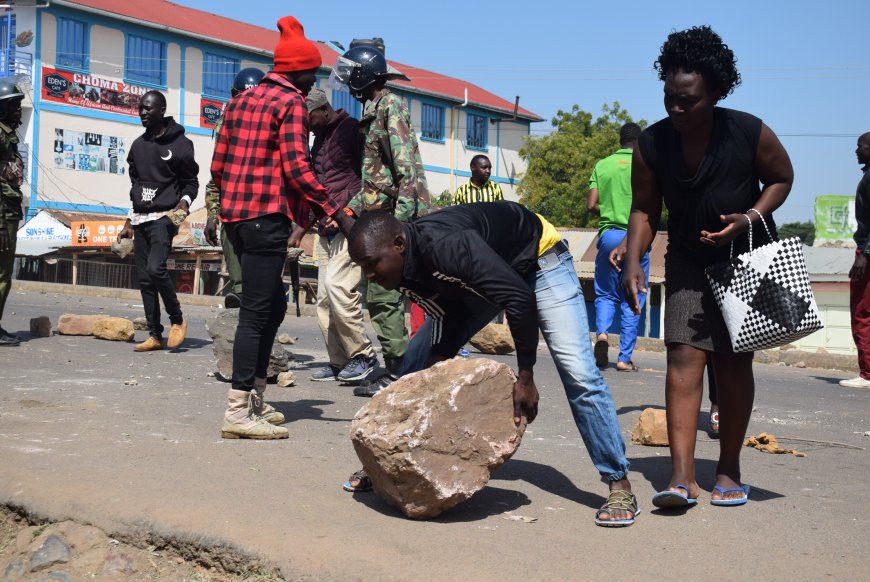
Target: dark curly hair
(700, 50)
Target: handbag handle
(764, 222)
(749, 220)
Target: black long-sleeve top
(486, 249)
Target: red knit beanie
(295, 52)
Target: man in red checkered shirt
(261, 168)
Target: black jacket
(162, 170)
(489, 249)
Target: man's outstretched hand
(525, 397)
(210, 232)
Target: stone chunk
(52, 551)
(40, 326)
(71, 324)
(286, 379)
(17, 568)
(431, 439)
(117, 329)
(651, 428)
(140, 323)
(123, 248)
(494, 338)
(222, 329)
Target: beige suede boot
(261, 408)
(241, 423)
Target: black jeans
(261, 245)
(153, 241)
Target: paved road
(75, 441)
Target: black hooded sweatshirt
(162, 170)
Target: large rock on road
(431, 439)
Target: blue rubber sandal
(669, 499)
(731, 502)
(359, 482)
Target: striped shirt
(469, 193)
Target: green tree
(806, 231)
(556, 181)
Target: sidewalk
(78, 443)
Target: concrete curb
(784, 356)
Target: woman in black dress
(709, 165)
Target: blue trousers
(562, 320)
(609, 296)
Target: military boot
(262, 409)
(241, 423)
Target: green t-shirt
(612, 178)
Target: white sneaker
(858, 382)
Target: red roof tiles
(226, 30)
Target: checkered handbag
(765, 294)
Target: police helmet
(247, 78)
(359, 67)
(9, 91)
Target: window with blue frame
(342, 99)
(72, 44)
(432, 122)
(475, 133)
(145, 61)
(218, 73)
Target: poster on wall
(88, 152)
(835, 219)
(90, 91)
(210, 112)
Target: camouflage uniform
(11, 178)
(213, 208)
(387, 121)
(392, 179)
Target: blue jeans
(609, 295)
(562, 319)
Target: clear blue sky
(805, 64)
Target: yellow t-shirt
(549, 236)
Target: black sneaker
(325, 374)
(7, 339)
(358, 369)
(369, 388)
(232, 301)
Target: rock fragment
(494, 338)
(651, 428)
(286, 379)
(52, 551)
(40, 326)
(72, 324)
(222, 329)
(117, 329)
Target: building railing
(79, 272)
(16, 64)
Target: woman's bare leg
(735, 383)
(683, 391)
